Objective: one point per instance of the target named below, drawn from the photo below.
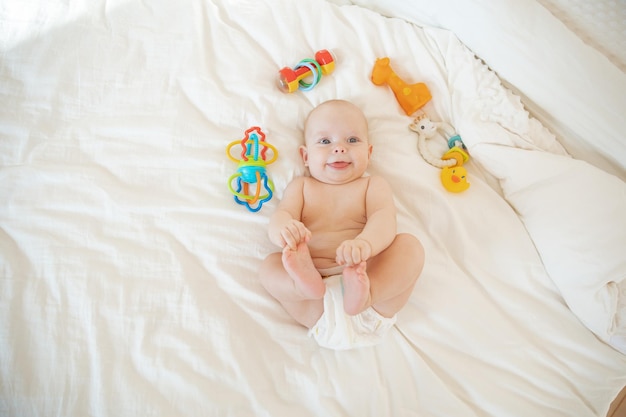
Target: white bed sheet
(128, 273)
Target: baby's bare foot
(299, 265)
(356, 288)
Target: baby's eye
(353, 140)
(324, 141)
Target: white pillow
(576, 215)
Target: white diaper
(337, 330)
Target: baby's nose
(339, 149)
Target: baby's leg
(356, 288)
(299, 265)
(292, 279)
(392, 275)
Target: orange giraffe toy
(411, 97)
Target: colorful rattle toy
(289, 80)
(411, 97)
(453, 174)
(251, 169)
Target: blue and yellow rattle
(251, 169)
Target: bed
(128, 281)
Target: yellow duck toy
(454, 179)
(453, 174)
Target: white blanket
(128, 273)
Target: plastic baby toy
(292, 79)
(453, 174)
(411, 97)
(251, 169)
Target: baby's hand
(293, 233)
(353, 252)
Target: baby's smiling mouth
(338, 164)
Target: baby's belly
(329, 272)
(323, 248)
(324, 265)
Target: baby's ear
(305, 155)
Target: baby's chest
(335, 208)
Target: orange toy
(411, 97)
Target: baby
(339, 223)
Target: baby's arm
(285, 228)
(380, 229)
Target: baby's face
(337, 149)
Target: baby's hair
(335, 101)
